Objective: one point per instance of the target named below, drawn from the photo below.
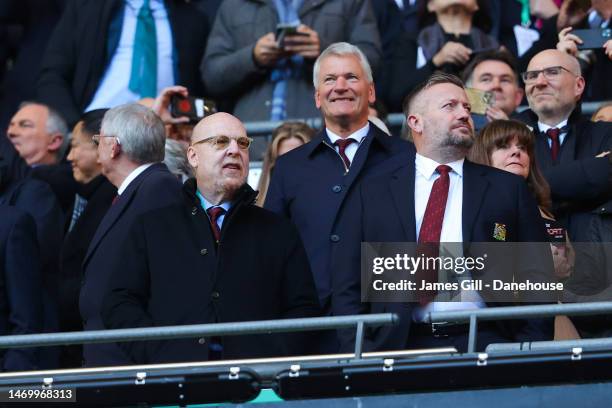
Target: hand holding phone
(191, 107)
(594, 38)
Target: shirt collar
(426, 167)
(544, 127)
(226, 205)
(135, 173)
(358, 135)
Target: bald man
(573, 152)
(215, 257)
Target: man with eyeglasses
(130, 151)
(573, 153)
(213, 258)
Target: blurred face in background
(83, 156)
(603, 115)
(499, 78)
(27, 131)
(289, 144)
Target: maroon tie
(115, 199)
(342, 145)
(553, 134)
(431, 228)
(214, 213)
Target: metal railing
(515, 312)
(197, 330)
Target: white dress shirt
(452, 225)
(351, 149)
(544, 128)
(135, 173)
(113, 89)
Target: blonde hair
(286, 131)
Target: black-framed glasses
(550, 73)
(96, 139)
(222, 142)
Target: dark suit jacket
(309, 187)
(36, 199)
(579, 182)
(20, 286)
(78, 52)
(99, 194)
(172, 274)
(154, 188)
(489, 196)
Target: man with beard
(215, 257)
(439, 196)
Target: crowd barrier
(540, 372)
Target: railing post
(473, 333)
(359, 340)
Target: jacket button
(194, 210)
(203, 251)
(215, 295)
(337, 189)
(334, 238)
(201, 340)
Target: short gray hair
(341, 49)
(55, 124)
(140, 131)
(176, 159)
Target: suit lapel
(474, 188)
(401, 185)
(568, 148)
(309, 5)
(115, 211)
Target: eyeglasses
(550, 73)
(222, 142)
(96, 139)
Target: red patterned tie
(553, 134)
(431, 228)
(342, 145)
(213, 214)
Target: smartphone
(593, 38)
(480, 100)
(192, 107)
(284, 30)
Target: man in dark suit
(130, 149)
(314, 185)
(572, 152)
(89, 57)
(20, 303)
(214, 257)
(438, 196)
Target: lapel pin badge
(499, 232)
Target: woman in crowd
(509, 145)
(94, 196)
(285, 138)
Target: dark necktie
(342, 145)
(213, 214)
(553, 134)
(115, 199)
(431, 228)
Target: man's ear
(55, 142)
(519, 97)
(115, 148)
(415, 123)
(192, 157)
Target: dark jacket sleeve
(58, 67)
(23, 290)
